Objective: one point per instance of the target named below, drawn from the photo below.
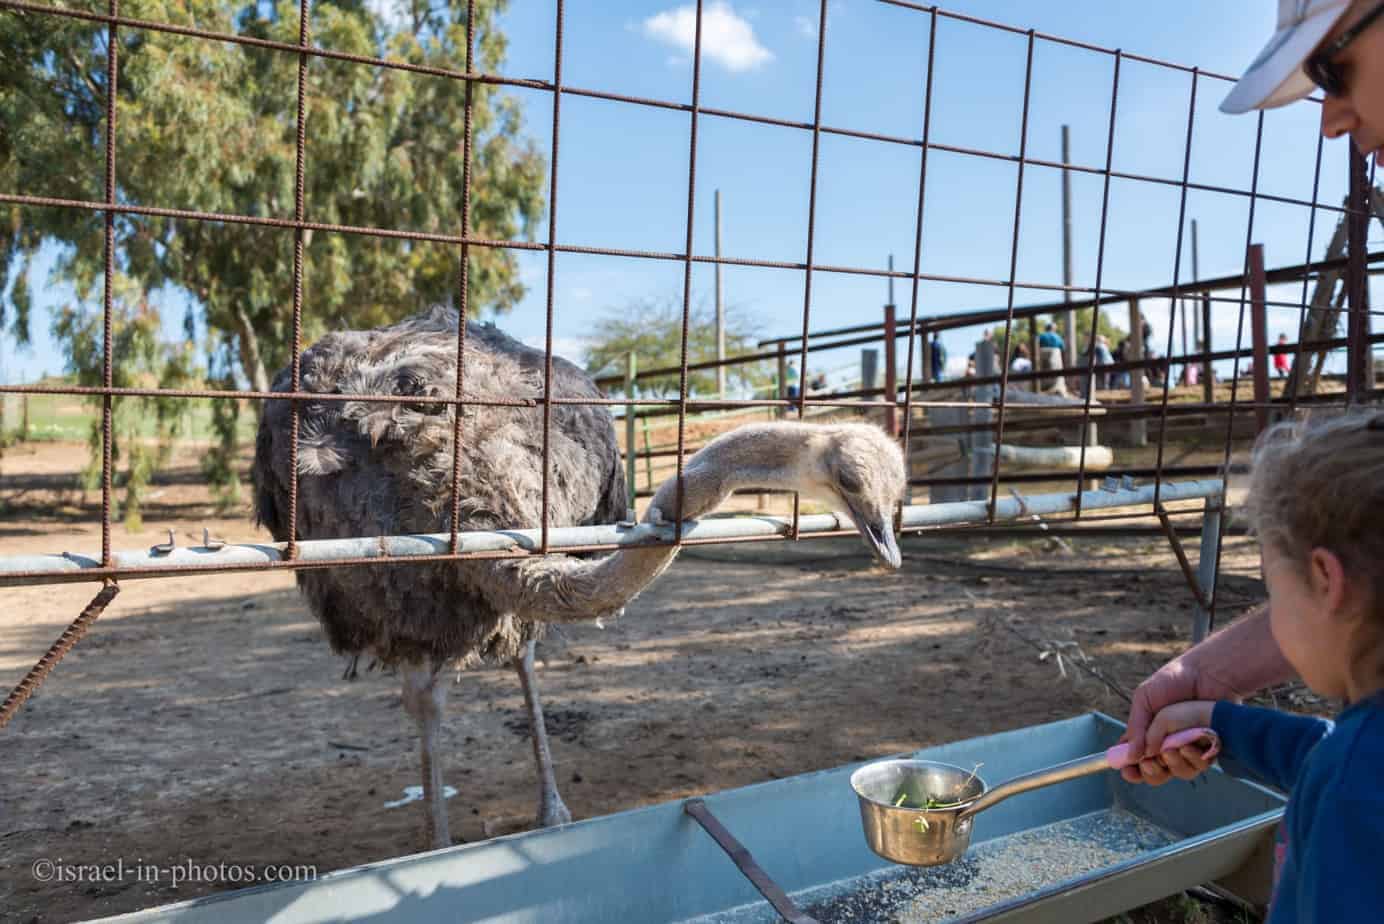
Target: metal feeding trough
(792, 849)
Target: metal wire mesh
(1251, 281)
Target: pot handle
(1112, 759)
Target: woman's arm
(1231, 664)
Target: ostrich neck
(567, 590)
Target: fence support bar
(746, 863)
(1206, 568)
(1192, 580)
(69, 567)
(59, 649)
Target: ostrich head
(862, 468)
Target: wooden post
(1259, 330)
(648, 457)
(891, 372)
(782, 376)
(1138, 428)
(1208, 374)
(631, 369)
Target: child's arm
(1271, 745)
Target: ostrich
(369, 468)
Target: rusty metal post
(1208, 374)
(1258, 322)
(927, 352)
(782, 376)
(1138, 428)
(631, 370)
(891, 373)
(1068, 316)
(1359, 374)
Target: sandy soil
(205, 719)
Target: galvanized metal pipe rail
(318, 553)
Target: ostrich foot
(553, 811)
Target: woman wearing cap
(1336, 46)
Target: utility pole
(720, 311)
(1068, 316)
(1196, 275)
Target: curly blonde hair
(1320, 483)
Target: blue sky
(623, 168)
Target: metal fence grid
(914, 393)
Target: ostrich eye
(408, 384)
(849, 482)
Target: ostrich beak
(878, 533)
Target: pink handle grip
(1119, 756)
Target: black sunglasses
(1321, 66)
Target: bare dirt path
(205, 720)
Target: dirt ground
(205, 720)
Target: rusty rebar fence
(921, 319)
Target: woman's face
(1360, 112)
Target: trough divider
(743, 861)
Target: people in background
(1281, 361)
(790, 379)
(1050, 339)
(818, 383)
(939, 358)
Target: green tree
(651, 328)
(143, 429)
(1023, 329)
(211, 126)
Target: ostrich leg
(424, 700)
(551, 810)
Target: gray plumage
(372, 468)
(368, 468)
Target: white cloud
(392, 14)
(727, 38)
(572, 348)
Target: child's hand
(1186, 762)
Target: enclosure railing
(113, 204)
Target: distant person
(1021, 363)
(1121, 378)
(1103, 358)
(1280, 360)
(939, 358)
(1050, 347)
(818, 383)
(791, 379)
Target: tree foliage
(652, 330)
(211, 126)
(1024, 331)
(145, 362)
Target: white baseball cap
(1276, 77)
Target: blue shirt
(1050, 340)
(1334, 774)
